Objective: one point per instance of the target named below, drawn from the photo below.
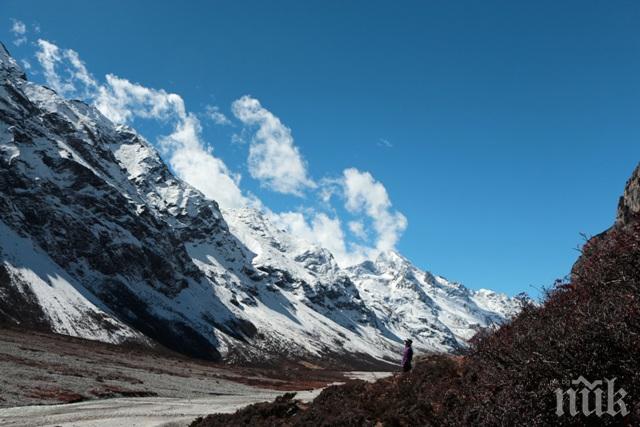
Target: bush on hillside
(588, 326)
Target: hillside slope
(100, 240)
(588, 327)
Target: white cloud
(358, 230)
(122, 101)
(273, 158)
(364, 194)
(79, 71)
(18, 41)
(238, 139)
(323, 231)
(187, 153)
(73, 79)
(25, 64)
(213, 112)
(199, 167)
(327, 188)
(384, 143)
(19, 30)
(49, 56)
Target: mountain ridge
(100, 240)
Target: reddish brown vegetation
(117, 377)
(55, 393)
(589, 326)
(110, 391)
(87, 368)
(288, 377)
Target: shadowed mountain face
(98, 239)
(91, 248)
(629, 205)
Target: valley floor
(137, 411)
(50, 379)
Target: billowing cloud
(79, 71)
(358, 230)
(19, 30)
(365, 198)
(273, 158)
(64, 71)
(321, 230)
(49, 56)
(216, 116)
(199, 167)
(122, 101)
(363, 194)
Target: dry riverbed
(51, 380)
(136, 411)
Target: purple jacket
(407, 355)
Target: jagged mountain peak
(9, 66)
(113, 246)
(318, 260)
(391, 260)
(629, 204)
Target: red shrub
(588, 326)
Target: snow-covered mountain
(98, 239)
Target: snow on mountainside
(99, 239)
(412, 302)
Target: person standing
(407, 355)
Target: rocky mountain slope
(586, 331)
(98, 239)
(629, 204)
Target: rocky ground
(44, 368)
(138, 411)
(50, 379)
(586, 329)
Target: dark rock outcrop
(629, 205)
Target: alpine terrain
(99, 240)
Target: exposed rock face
(415, 303)
(628, 212)
(588, 326)
(71, 193)
(629, 205)
(98, 239)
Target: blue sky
(499, 130)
